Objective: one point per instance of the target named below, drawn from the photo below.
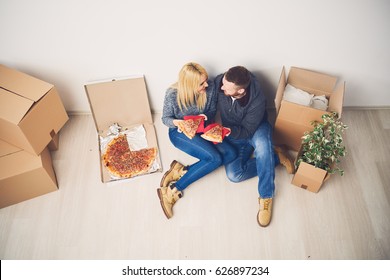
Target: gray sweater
(172, 111)
(243, 116)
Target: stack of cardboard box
(293, 120)
(31, 115)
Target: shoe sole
(166, 173)
(162, 203)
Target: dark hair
(238, 75)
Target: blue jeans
(262, 164)
(210, 158)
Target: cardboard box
(292, 119)
(54, 143)
(23, 175)
(309, 177)
(123, 101)
(31, 111)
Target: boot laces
(266, 204)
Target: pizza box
(123, 101)
(23, 175)
(31, 111)
(292, 119)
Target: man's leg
(243, 167)
(265, 164)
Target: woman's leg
(227, 151)
(209, 157)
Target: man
(242, 107)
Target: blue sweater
(243, 116)
(172, 111)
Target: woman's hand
(176, 122)
(203, 115)
(229, 131)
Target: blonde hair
(190, 78)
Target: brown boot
(176, 171)
(168, 198)
(285, 159)
(265, 213)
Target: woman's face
(203, 85)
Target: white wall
(69, 43)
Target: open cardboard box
(122, 101)
(31, 111)
(24, 175)
(292, 119)
(309, 177)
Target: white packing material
(320, 102)
(296, 95)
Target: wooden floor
(216, 219)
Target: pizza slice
(214, 134)
(189, 127)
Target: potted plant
(323, 147)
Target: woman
(190, 95)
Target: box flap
(337, 100)
(18, 162)
(309, 177)
(23, 84)
(311, 81)
(119, 101)
(280, 90)
(13, 107)
(292, 122)
(7, 149)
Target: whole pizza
(120, 161)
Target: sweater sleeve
(168, 114)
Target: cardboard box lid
(18, 93)
(22, 84)
(7, 149)
(311, 81)
(123, 101)
(13, 107)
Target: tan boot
(168, 198)
(176, 171)
(265, 213)
(285, 159)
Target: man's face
(230, 89)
